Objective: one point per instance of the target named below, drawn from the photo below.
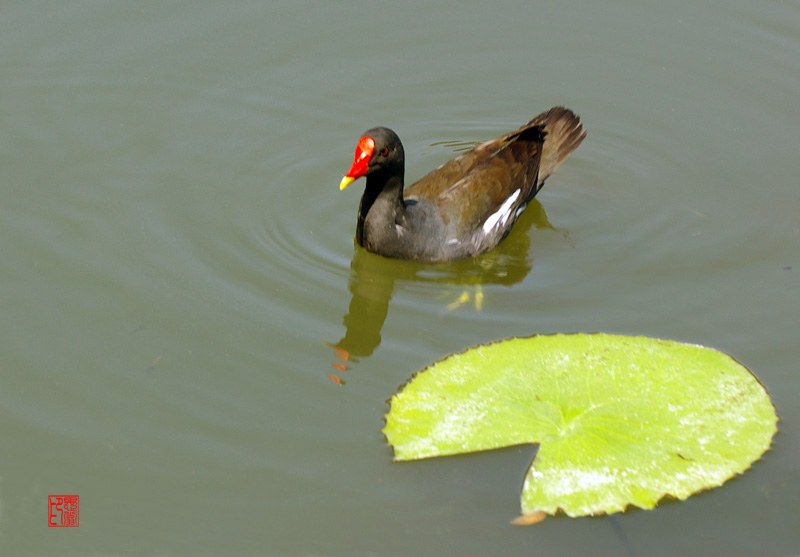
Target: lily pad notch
(619, 420)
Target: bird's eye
(385, 152)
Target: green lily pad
(619, 420)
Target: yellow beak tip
(346, 181)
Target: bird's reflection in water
(372, 280)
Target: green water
(177, 262)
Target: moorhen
(466, 206)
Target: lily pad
(619, 420)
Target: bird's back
(479, 194)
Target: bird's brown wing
(472, 186)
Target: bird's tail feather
(564, 133)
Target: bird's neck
(383, 196)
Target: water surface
(178, 262)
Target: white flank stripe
(501, 215)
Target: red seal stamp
(62, 510)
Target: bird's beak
(364, 149)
